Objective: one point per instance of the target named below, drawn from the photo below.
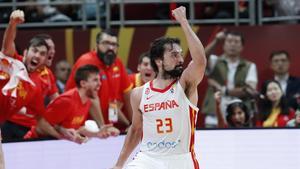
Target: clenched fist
(17, 17)
(179, 14)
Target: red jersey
(114, 80)
(46, 80)
(281, 119)
(136, 79)
(68, 110)
(26, 95)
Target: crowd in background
(208, 10)
(232, 99)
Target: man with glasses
(115, 84)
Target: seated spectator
(62, 72)
(237, 114)
(68, 112)
(296, 121)
(285, 8)
(5, 12)
(69, 9)
(280, 64)
(44, 13)
(273, 107)
(145, 71)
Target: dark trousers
(13, 132)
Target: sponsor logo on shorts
(162, 145)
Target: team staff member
(69, 111)
(164, 109)
(115, 83)
(145, 71)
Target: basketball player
(164, 109)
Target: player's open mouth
(34, 62)
(147, 74)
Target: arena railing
(255, 13)
(84, 22)
(236, 20)
(263, 19)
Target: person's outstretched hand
(108, 130)
(221, 35)
(217, 96)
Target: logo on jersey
(116, 75)
(147, 91)
(169, 104)
(103, 77)
(149, 97)
(162, 145)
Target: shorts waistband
(169, 156)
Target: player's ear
(82, 83)
(158, 62)
(25, 52)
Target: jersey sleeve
(18, 57)
(58, 110)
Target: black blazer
(292, 89)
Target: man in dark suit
(280, 63)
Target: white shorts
(181, 161)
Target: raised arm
(221, 121)
(8, 44)
(135, 132)
(212, 45)
(193, 74)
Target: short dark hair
(37, 41)
(106, 31)
(83, 73)
(144, 55)
(157, 49)
(235, 33)
(278, 52)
